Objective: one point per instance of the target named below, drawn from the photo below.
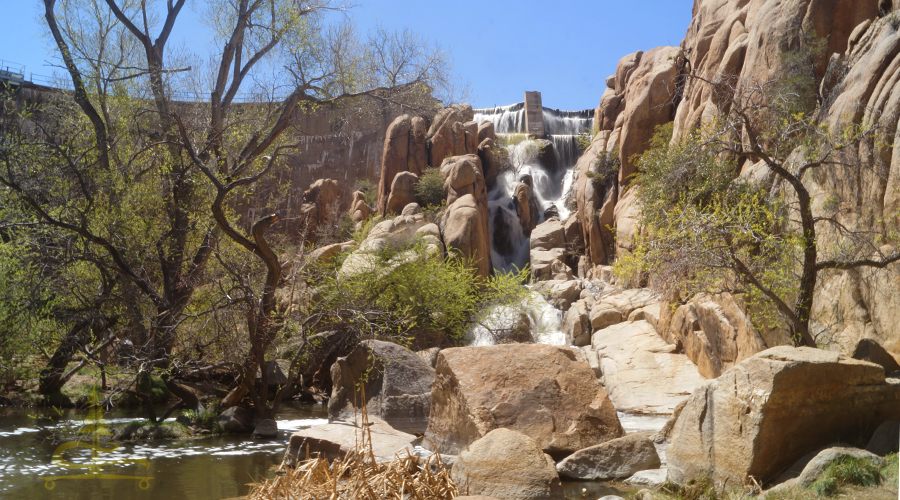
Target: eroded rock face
(858, 74)
(507, 465)
(526, 205)
(774, 407)
(577, 324)
(536, 389)
(465, 224)
(549, 234)
(391, 235)
(403, 192)
(595, 203)
(555, 246)
(616, 459)
(625, 69)
(715, 333)
(359, 210)
(643, 373)
(611, 104)
(550, 265)
(322, 197)
(560, 294)
(453, 133)
(397, 385)
(466, 231)
(405, 151)
(394, 157)
(648, 103)
(490, 163)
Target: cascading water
(552, 179)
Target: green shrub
(408, 293)
(208, 419)
(366, 186)
(430, 188)
(366, 228)
(847, 471)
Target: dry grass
(360, 477)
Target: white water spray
(551, 185)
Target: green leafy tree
(706, 228)
(139, 165)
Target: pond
(194, 469)
(212, 468)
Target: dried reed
(360, 477)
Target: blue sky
(565, 49)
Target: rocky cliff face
(743, 40)
(327, 152)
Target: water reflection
(197, 469)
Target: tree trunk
(52, 378)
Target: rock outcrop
(405, 151)
(762, 415)
(648, 103)
(507, 465)
(490, 162)
(394, 159)
(577, 324)
(560, 294)
(403, 192)
(715, 333)
(359, 210)
(335, 440)
(811, 467)
(641, 372)
(396, 383)
(465, 224)
(857, 72)
(536, 389)
(319, 202)
(616, 459)
(526, 204)
(551, 245)
(452, 133)
(595, 201)
(391, 235)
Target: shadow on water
(579, 490)
(194, 469)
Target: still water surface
(197, 469)
(211, 468)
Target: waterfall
(552, 183)
(506, 119)
(511, 119)
(545, 321)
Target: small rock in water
(652, 477)
(267, 428)
(618, 458)
(236, 419)
(551, 211)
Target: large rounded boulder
(507, 465)
(393, 382)
(539, 390)
(771, 409)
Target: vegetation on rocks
(752, 231)
(430, 189)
